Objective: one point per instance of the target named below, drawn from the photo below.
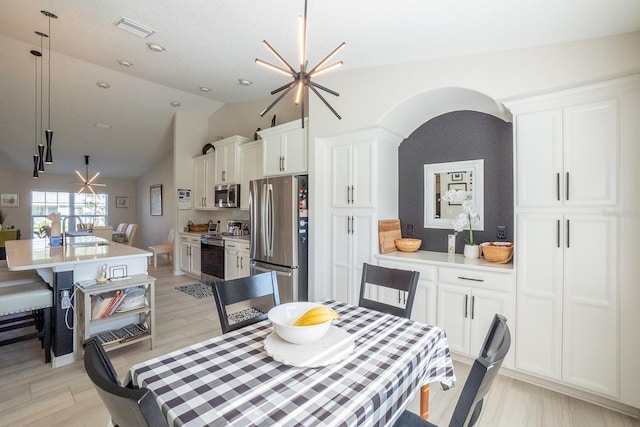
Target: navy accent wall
(451, 137)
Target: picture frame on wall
(122, 202)
(11, 200)
(155, 206)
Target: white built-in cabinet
(571, 234)
(363, 168)
(285, 149)
(251, 169)
(236, 259)
(227, 154)
(204, 169)
(189, 254)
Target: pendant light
(301, 79)
(85, 181)
(49, 132)
(36, 55)
(40, 145)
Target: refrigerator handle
(270, 218)
(263, 220)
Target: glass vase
(451, 244)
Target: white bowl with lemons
(284, 316)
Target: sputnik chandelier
(87, 183)
(301, 79)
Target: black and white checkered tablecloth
(230, 380)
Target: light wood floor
(34, 394)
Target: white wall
(369, 96)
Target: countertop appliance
(227, 196)
(279, 239)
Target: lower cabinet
(236, 259)
(190, 254)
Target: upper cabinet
(351, 177)
(228, 160)
(204, 168)
(567, 156)
(250, 169)
(285, 149)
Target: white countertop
(443, 259)
(36, 253)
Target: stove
(211, 258)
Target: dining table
(230, 380)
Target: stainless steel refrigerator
(279, 232)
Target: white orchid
(467, 217)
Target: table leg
(424, 401)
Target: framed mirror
(439, 178)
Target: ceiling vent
(133, 27)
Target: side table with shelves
(118, 322)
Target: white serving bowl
(284, 315)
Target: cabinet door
(294, 151)
(361, 175)
(591, 153)
(454, 315)
(244, 270)
(425, 304)
(484, 306)
(539, 173)
(362, 243)
(539, 297)
(341, 175)
(221, 164)
(590, 298)
(185, 255)
(196, 261)
(341, 257)
(251, 169)
(231, 264)
(199, 181)
(272, 155)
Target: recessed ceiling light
(103, 126)
(125, 63)
(156, 47)
(245, 82)
(103, 85)
(133, 27)
(175, 104)
(205, 89)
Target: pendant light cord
(49, 77)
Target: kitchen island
(80, 259)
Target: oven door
(212, 261)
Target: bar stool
(26, 305)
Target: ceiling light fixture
(86, 182)
(245, 82)
(301, 79)
(175, 104)
(133, 27)
(125, 63)
(103, 85)
(49, 132)
(103, 125)
(156, 47)
(36, 157)
(205, 89)
(40, 144)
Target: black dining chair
(392, 278)
(262, 292)
(483, 372)
(128, 406)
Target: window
(80, 208)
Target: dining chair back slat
(392, 278)
(127, 406)
(483, 372)
(255, 288)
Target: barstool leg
(47, 334)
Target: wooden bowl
(408, 245)
(498, 252)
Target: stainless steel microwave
(227, 196)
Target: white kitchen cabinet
(352, 178)
(251, 169)
(352, 245)
(204, 169)
(285, 149)
(227, 154)
(189, 253)
(567, 156)
(424, 303)
(236, 259)
(567, 299)
(468, 299)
